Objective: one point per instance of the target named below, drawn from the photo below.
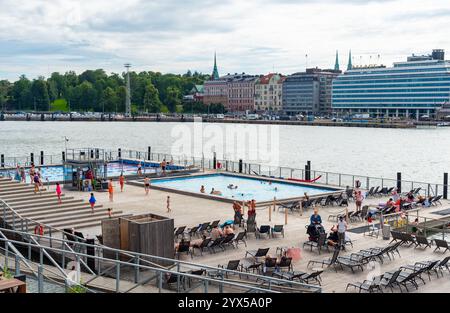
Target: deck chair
(202, 246)
(441, 244)
(202, 228)
(289, 206)
(351, 263)
(319, 244)
(370, 192)
(184, 247)
(389, 280)
(328, 262)
(240, 238)
(367, 285)
(175, 279)
(260, 253)
(192, 232)
(233, 265)
(179, 231)
(277, 230)
(436, 200)
(422, 241)
(250, 265)
(213, 225)
(227, 241)
(263, 230)
(270, 266)
(285, 262)
(396, 236)
(216, 244)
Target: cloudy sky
(38, 37)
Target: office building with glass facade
(414, 88)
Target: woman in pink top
(358, 200)
(58, 192)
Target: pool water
(57, 173)
(248, 188)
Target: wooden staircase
(44, 208)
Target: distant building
(215, 90)
(268, 92)
(241, 92)
(309, 91)
(413, 88)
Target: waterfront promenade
(191, 211)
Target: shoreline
(235, 121)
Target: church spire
(336, 64)
(349, 66)
(215, 73)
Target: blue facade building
(417, 87)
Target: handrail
(165, 271)
(178, 262)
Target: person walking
(111, 190)
(37, 183)
(92, 201)
(342, 228)
(58, 192)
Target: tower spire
(215, 73)
(336, 64)
(349, 66)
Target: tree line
(95, 90)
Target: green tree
(151, 99)
(39, 94)
(173, 98)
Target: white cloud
(255, 36)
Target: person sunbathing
(216, 192)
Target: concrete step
(62, 212)
(39, 199)
(87, 224)
(16, 187)
(11, 184)
(81, 216)
(22, 192)
(49, 202)
(96, 220)
(69, 206)
(29, 197)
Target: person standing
(92, 201)
(111, 190)
(121, 182)
(163, 166)
(146, 185)
(342, 228)
(358, 200)
(23, 176)
(58, 192)
(168, 205)
(139, 170)
(37, 183)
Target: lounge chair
(352, 263)
(202, 246)
(408, 238)
(216, 244)
(367, 285)
(172, 279)
(335, 217)
(263, 230)
(227, 241)
(192, 232)
(270, 266)
(260, 253)
(441, 244)
(328, 262)
(250, 265)
(277, 230)
(319, 244)
(396, 236)
(179, 231)
(422, 241)
(388, 281)
(285, 262)
(184, 247)
(292, 206)
(422, 267)
(370, 192)
(436, 200)
(233, 265)
(213, 225)
(202, 228)
(240, 238)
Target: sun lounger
(227, 241)
(422, 241)
(216, 244)
(260, 253)
(240, 238)
(202, 246)
(289, 206)
(233, 265)
(284, 262)
(389, 281)
(250, 265)
(328, 262)
(436, 200)
(179, 231)
(441, 244)
(263, 230)
(319, 244)
(367, 285)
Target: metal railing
(326, 177)
(138, 262)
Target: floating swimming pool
(58, 173)
(247, 188)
